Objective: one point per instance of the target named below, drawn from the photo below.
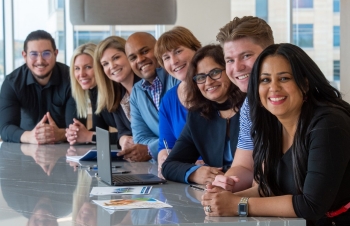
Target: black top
(24, 102)
(103, 120)
(123, 123)
(327, 183)
(200, 137)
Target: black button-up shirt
(24, 102)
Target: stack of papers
(127, 204)
(131, 190)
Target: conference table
(40, 187)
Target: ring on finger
(207, 209)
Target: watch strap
(243, 207)
(244, 200)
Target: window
(303, 35)
(126, 34)
(336, 6)
(59, 4)
(60, 40)
(38, 12)
(336, 70)
(261, 9)
(55, 6)
(82, 37)
(2, 46)
(303, 3)
(336, 36)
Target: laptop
(104, 165)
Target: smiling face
(115, 65)
(214, 90)
(84, 71)
(87, 214)
(176, 61)
(40, 67)
(240, 56)
(278, 92)
(139, 49)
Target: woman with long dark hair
(301, 133)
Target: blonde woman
(114, 73)
(84, 89)
(84, 212)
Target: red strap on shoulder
(339, 211)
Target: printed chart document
(131, 190)
(135, 203)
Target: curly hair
(195, 99)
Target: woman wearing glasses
(84, 88)
(211, 130)
(174, 51)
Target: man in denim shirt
(145, 96)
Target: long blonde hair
(80, 96)
(81, 193)
(109, 94)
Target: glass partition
(318, 37)
(2, 45)
(38, 14)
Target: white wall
(203, 17)
(345, 49)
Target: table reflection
(84, 212)
(36, 182)
(39, 187)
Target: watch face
(242, 209)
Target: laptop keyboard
(125, 178)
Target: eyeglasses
(213, 74)
(46, 55)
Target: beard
(42, 77)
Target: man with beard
(35, 100)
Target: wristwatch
(243, 207)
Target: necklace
(228, 117)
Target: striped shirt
(244, 139)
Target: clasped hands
(133, 152)
(45, 132)
(220, 198)
(43, 155)
(78, 133)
